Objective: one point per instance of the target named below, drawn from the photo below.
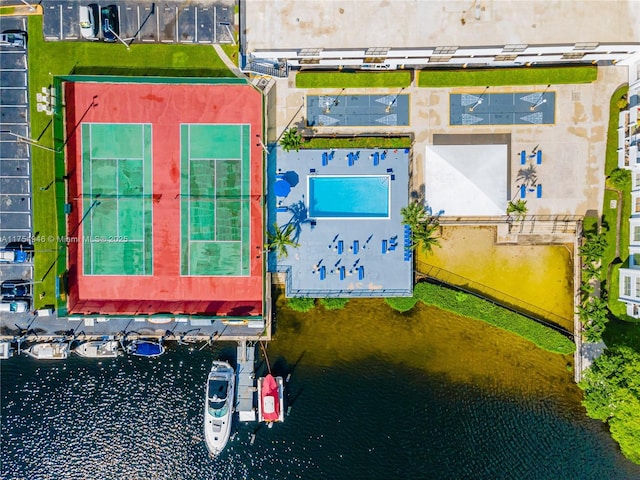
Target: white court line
(118, 197)
(188, 197)
(92, 261)
(112, 158)
(14, 176)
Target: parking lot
(167, 22)
(15, 163)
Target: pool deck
(328, 262)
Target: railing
(263, 69)
(557, 220)
(291, 292)
(450, 279)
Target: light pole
(479, 101)
(392, 102)
(541, 100)
(120, 39)
(31, 7)
(29, 141)
(266, 150)
(334, 103)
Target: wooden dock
(245, 382)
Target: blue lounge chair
(376, 159)
(312, 170)
(282, 209)
(389, 170)
(325, 160)
(407, 255)
(360, 272)
(523, 191)
(356, 247)
(340, 247)
(332, 154)
(384, 246)
(539, 192)
(342, 273)
(392, 247)
(523, 157)
(539, 157)
(323, 273)
(384, 155)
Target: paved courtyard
(342, 252)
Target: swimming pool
(349, 196)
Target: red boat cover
(270, 399)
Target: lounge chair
(356, 247)
(376, 159)
(340, 247)
(384, 246)
(360, 272)
(539, 192)
(342, 273)
(523, 157)
(523, 191)
(323, 273)
(539, 157)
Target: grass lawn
(48, 59)
(506, 76)
(609, 214)
(357, 142)
(354, 79)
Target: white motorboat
(218, 408)
(49, 351)
(98, 349)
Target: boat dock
(246, 382)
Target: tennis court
(116, 216)
(215, 199)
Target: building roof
(286, 24)
(466, 180)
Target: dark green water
(366, 419)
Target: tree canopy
(612, 394)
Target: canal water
(374, 395)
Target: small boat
(49, 351)
(5, 350)
(98, 349)
(218, 408)
(145, 348)
(270, 399)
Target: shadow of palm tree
(299, 216)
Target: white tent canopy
(466, 180)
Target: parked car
(13, 256)
(89, 21)
(110, 23)
(18, 306)
(14, 288)
(14, 38)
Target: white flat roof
(290, 24)
(466, 180)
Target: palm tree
(291, 140)
(425, 236)
(413, 214)
(280, 239)
(424, 226)
(528, 176)
(593, 248)
(518, 207)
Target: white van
(19, 306)
(89, 21)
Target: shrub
(334, 303)
(401, 304)
(301, 304)
(479, 309)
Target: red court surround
(165, 107)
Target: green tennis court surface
(214, 191)
(117, 199)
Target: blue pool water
(349, 196)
